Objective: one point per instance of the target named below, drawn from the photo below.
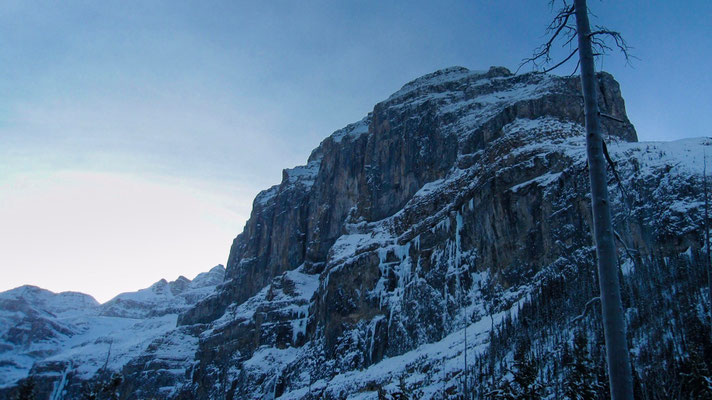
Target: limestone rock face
(457, 208)
(461, 190)
(370, 169)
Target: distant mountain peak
(42, 329)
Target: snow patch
(352, 131)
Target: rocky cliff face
(370, 169)
(451, 222)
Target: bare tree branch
(562, 61)
(578, 64)
(585, 309)
(624, 193)
(625, 246)
(562, 28)
(621, 44)
(611, 117)
(560, 23)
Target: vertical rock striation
(370, 169)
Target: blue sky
(134, 135)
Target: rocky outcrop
(449, 202)
(370, 169)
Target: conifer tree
(524, 384)
(525, 375)
(580, 382)
(696, 378)
(26, 389)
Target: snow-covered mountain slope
(164, 297)
(440, 247)
(71, 333)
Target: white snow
(542, 180)
(445, 356)
(295, 303)
(352, 131)
(471, 112)
(450, 74)
(86, 336)
(266, 195)
(304, 174)
(685, 157)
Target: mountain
(56, 334)
(442, 247)
(164, 297)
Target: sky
(134, 135)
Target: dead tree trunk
(708, 264)
(619, 372)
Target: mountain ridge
(37, 324)
(452, 220)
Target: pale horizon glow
(134, 135)
(131, 231)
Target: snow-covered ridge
(164, 297)
(439, 77)
(303, 174)
(684, 156)
(352, 130)
(266, 195)
(72, 329)
(306, 174)
(47, 300)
